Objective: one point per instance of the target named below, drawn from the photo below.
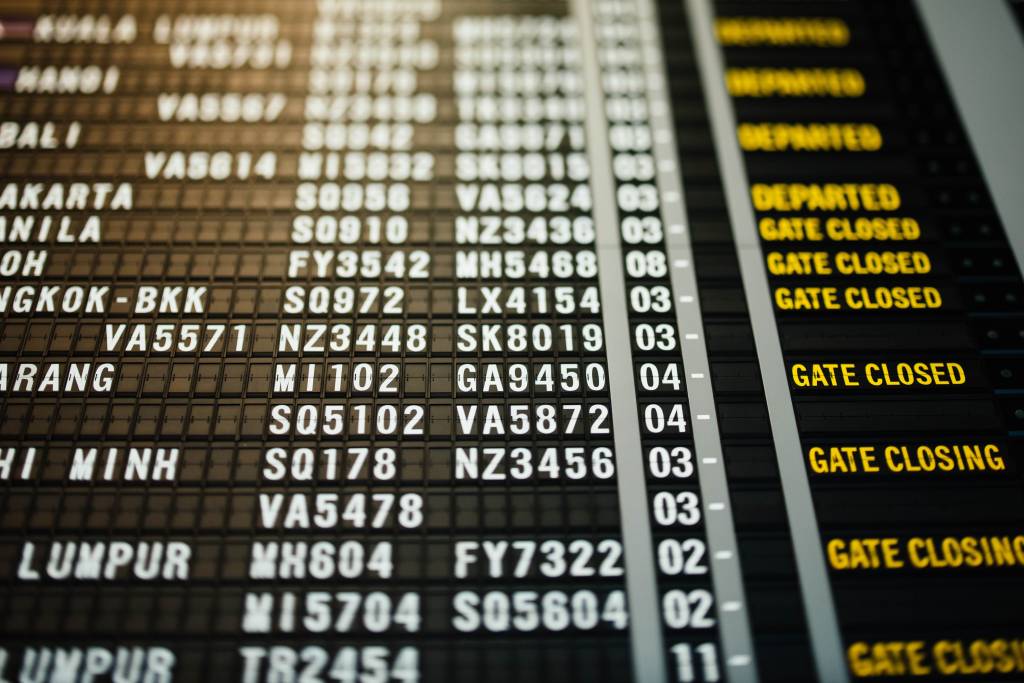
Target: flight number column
(348, 381)
(532, 412)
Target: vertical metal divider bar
(972, 49)
(726, 575)
(641, 583)
(816, 591)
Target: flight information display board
(373, 341)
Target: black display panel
(500, 340)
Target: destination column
(131, 351)
(520, 416)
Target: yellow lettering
(892, 298)
(754, 82)
(888, 658)
(914, 374)
(798, 263)
(824, 197)
(809, 137)
(791, 229)
(882, 263)
(783, 31)
(807, 298)
(864, 229)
